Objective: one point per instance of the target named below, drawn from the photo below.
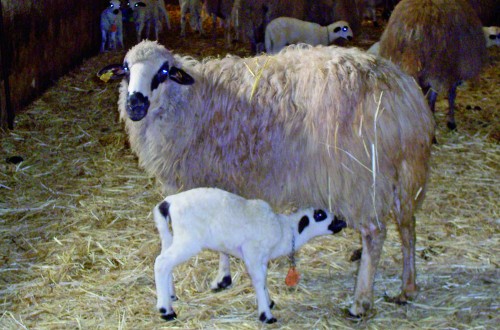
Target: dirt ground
(78, 242)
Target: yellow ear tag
(106, 76)
(293, 277)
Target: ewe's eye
(163, 71)
(125, 68)
(111, 5)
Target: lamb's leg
(223, 279)
(164, 265)
(372, 237)
(452, 93)
(257, 269)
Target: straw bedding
(78, 241)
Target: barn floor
(78, 242)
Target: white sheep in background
(194, 8)
(209, 218)
(283, 31)
(351, 125)
(149, 13)
(492, 35)
(111, 26)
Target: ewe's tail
(161, 216)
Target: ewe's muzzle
(137, 106)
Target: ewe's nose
(137, 106)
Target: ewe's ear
(180, 76)
(113, 71)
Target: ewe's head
(114, 6)
(339, 32)
(314, 222)
(148, 68)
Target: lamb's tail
(162, 216)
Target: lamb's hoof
(263, 318)
(451, 126)
(167, 317)
(224, 284)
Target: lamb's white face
(319, 222)
(136, 4)
(340, 30)
(114, 6)
(492, 34)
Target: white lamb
(210, 218)
(492, 35)
(147, 13)
(284, 31)
(111, 26)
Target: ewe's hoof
(398, 300)
(167, 317)
(263, 318)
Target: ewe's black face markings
(137, 106)
(160, 76)
(319, 215)
(337, 225)
(303, 223)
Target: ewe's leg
(164, 265)
(452, 93)
(408, 239)
(257, 269)
(223, 279)
(372, 239)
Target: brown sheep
(439, 42)
(353, 126)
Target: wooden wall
(42, 40)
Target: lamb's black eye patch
(319, 215)
(303, 223)
(337, 29)
(160, 76)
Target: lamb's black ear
(303, 223)
(180, 76)
(112, 71)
